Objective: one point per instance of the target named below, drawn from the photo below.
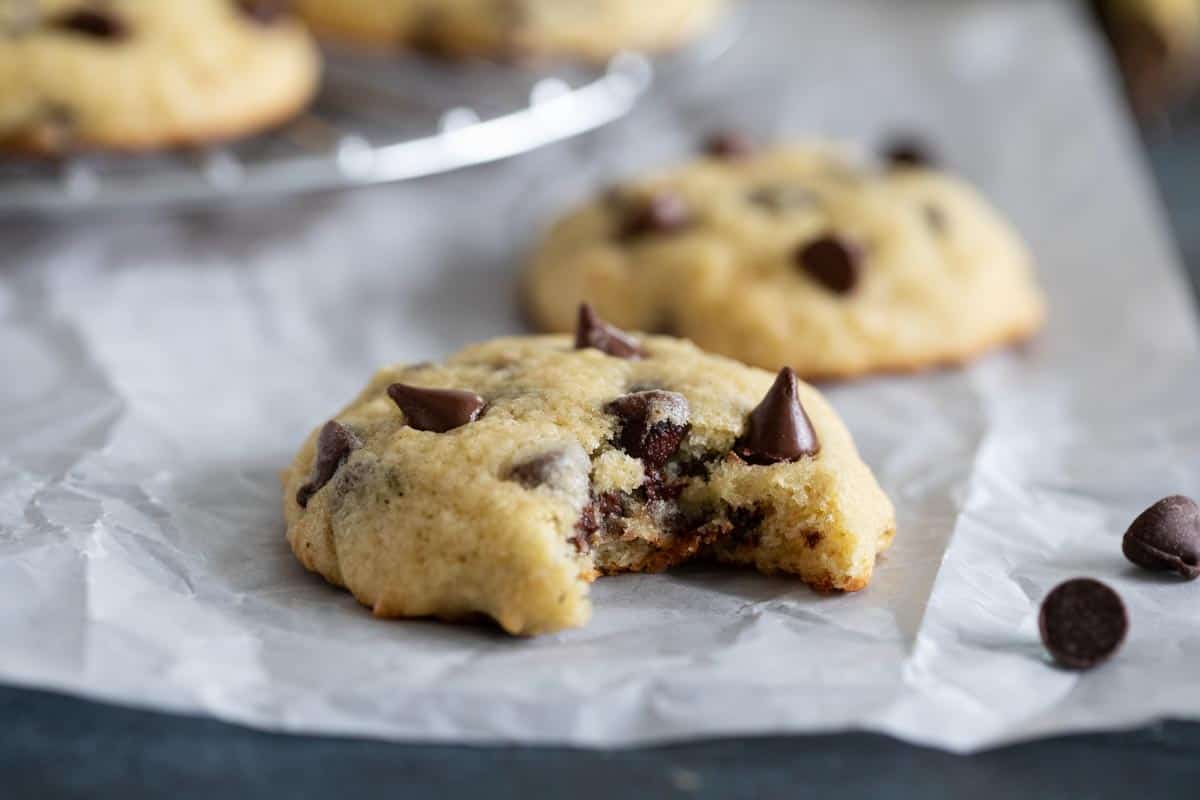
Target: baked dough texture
(548, 465)
(795, 256)
(144, 74)
(588, 29)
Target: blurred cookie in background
(798, 256)
(1157, 45)
(135, 75)
(586, 29)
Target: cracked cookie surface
(591, 29)
(505, 479)
(795, 256)
(145, 74)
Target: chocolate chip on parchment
(729, 145)
(778, 428)
(264, 12)
(908, 151)
(437, 410)
(663, 212)
(591, 331)
(1082, 623)
(653, 424)
(94, 22)
(833, 261)
(1166, 537)
(335, 442)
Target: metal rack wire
(375, 120)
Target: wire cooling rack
(375, 120)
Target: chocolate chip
(729, 145)
(264, 12)
(832, 261)
(93, 22)
(591, 331)
(936, 219)
(603, 512)
(781, 197)
(565, 468)
(778, 429)
(437, 410)
(1082, 623)
(663, 212)
(653, 424)
(908, 151)
(1166, 537)
(334, 445)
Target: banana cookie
(796, 256)
(590, 29)
(144, 74)
(504, 480)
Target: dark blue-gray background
(55, 746)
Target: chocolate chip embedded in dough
(653, 424)
(563, 468)
(437, 410)
(96, 23)
(264, 12)
(663, 212)
(591, 331)
(778, 429)
(334, 445)
(833, 261)
(908, 151)
(729, 145)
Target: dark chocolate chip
(908, 151)
(781, 197)
(437, 410)
(603, 512)
(264, 12)
(94, 22)
(1082, 623)
(832, 261)
(778, 429)
(591, 331)
(564, 468)
(663, 212)
(936, 219)
(729, 145)
(1166, 537)
(334, 445)
(653, 424)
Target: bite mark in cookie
(581, 466)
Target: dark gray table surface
(56, 746)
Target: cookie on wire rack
(135, 75)
(589, 30)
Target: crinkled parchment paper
(159, 369)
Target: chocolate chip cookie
(504, 480)
(589, 29)
(798, 255)
(143, 74)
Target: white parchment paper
(159, 369)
